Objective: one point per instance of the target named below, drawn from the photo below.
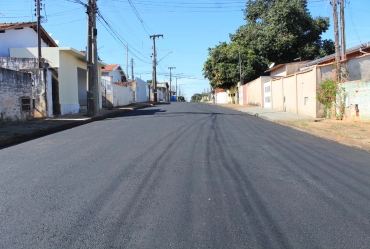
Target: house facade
(115, 71)
(69, 76)
(22, 35)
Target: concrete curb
(44, 132)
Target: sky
(189, 28)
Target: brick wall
(13, 86)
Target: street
(184, 175)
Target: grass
(304, 124)
(17, 133)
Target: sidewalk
(12, 133)
(350, 133)
(269, 114)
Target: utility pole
(336, 36)
(342, 30)
(132, 69)
(171, 81)
(90, 95)
(240, 69)
(154, 80)
(95, 62)
(127, 62)
(39, 31)
(177, 99)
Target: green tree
(196, 97)
(222, 66)
(283, 30)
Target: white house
(22, 35)
(115, 71)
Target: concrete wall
(222, 98)
(359, 68)
(68, 83)
(255, 91)
(357, 102)
(18, 38)
(306, 93)
(141, 90)
(122, 95)
(277, 96)
(13, 86)
(106, 86)
(296, 93)
(41, 86)
(290, 93)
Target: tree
(283, 30)
(222, 66)
(196, 97)
(279, 31)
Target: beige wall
(290, 95)
(277, 94)
(255, 91)
(306, 88)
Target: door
(267, 94)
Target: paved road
(184, 175)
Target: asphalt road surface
(184, 175)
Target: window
(267, 99)
(267, 89)
(305, 100)
(26, 104)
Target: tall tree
(283, 30)
(222, 67)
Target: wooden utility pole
(154, 80)
(95, 61)
(342, 30)
(132, 69)
(336, 36)
(127, 63)
(90, 93)
(39, 32)
(171, 81)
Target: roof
(17, 25)
(331, 57)
(282, 65)
(112, 67)
(274, 68)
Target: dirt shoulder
(354, 134)
(351, 133)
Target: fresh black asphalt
(184, 175)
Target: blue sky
(189, 27)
